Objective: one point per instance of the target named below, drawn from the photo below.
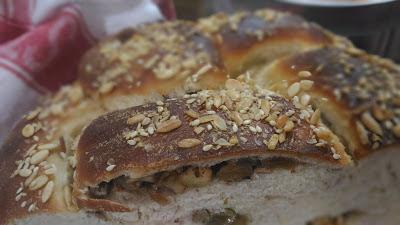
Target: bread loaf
(252, 118)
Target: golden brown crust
(113, 145)
(362, 90)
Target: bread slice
(77, 159)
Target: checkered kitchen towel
(41, 42)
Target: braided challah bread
(252, 118)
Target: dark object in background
(373, 25)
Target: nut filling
(163, 185)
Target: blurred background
(373, 25)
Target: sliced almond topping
(39, 182)
(293, 89)
(207, 148)
(222, 142)
(198, 130)
(219, 123)
(288, 126)
(281, 121)
(316, 116)
(169, 125)
(273, 141)
(189, 143)
(28, 130)
(47, 191)
(39, 157)
(192, 114)
(371, 123)
(135, 119)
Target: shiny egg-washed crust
(219, 46)
(103, 140)
(362, 92)
(186, 50)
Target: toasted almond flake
(169, 125)
(362, 133)
(222, 142)
(28, 130)
(315, 118)
(198, 130)
(25, 172)
(110, 167)
(49, 146)
(281, 121)
(195, 122)
(306, 84)
(235, 116)
(146, 121)
(47, 191)
(233, 140)
(188, 143)
(288, 126)
(219, 123)
(192, 113)
(207, 148)
(371, 123)
(273, 141)
(293, 89)
(282, 137)
(135, 119)
(106, 87)
(38, 182)
(304, 73)
(396, 130)
(39, 157)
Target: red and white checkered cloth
(41, 42)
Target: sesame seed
(272, 142)
(38, 182)
(195, 122)
(110, 167)
(39, 157)
(371, 123)
(209, 127)
(234, 127)
(304, 74)
(47, 191)
(131, 142)
(336, 156)
(246, 122)
(252, 129)
(306, 84)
